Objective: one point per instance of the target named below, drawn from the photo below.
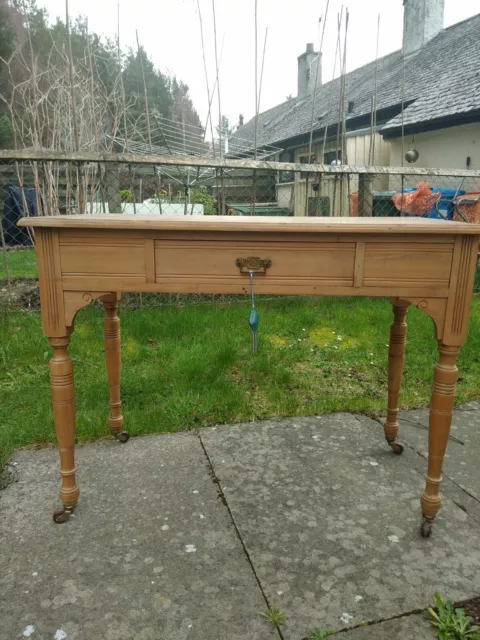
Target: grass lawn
(21, 264)
(188, 367)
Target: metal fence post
(365, 195)
(112, 178)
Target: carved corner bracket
(436, 308)
(76, 300)
(252, 263)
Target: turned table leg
(63, 400)
(396, 358)
(111, 326)
(441, 408)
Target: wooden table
(425, 263)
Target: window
(287, 176)
(331, 156)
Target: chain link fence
(53, 184)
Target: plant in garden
(163, 197)
(317, 634)
(200, 195)
(451, 623)
(275, 616)
(126, 195)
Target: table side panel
(461, 289)
(50, 282)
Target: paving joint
(381, 423)
(470, 495)
(223, 498)
(421, 455)
(412, 448)
(372, 623)
(419, 425)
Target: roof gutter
(446, 122)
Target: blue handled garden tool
(253, 319)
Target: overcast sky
(170, 32)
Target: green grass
(21, 264)
(275, 617)
(189, 367)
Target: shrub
(126, 195)
(200, 195)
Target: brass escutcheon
(256, 265)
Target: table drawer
(327, 263)
(404, 264)
(117, 258)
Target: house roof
(441, 79)
(449, 97)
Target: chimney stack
(307, 71)
(240, 120)
(422, 21)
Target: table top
(254, 223)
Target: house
(436, 77)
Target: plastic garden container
(443, 209)
(446, 205)
(382, 205)
(467, 208)
(244, 210)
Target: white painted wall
(358, 148)
(337, 189)
(442, 149)
(144, 208)
(286, 194)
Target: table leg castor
(426, 528)
(396, 447)
(122, 436)
(62, 515)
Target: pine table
(424, 263)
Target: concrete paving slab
(330, 518)
(414, 627)
(448, 488)
(461, 458)
(150, 554)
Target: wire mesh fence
(55, 184)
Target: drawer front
(135, 261)
(110, 258)
(406, 264)
(326, 264)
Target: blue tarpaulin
(13, 211)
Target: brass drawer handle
(256, 265)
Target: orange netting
(418, 203)
(467, 208)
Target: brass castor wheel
(426, 528)
(122, 436)
(62, 515)
(396, 448)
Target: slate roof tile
(442, 78)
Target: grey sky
(170, 31)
